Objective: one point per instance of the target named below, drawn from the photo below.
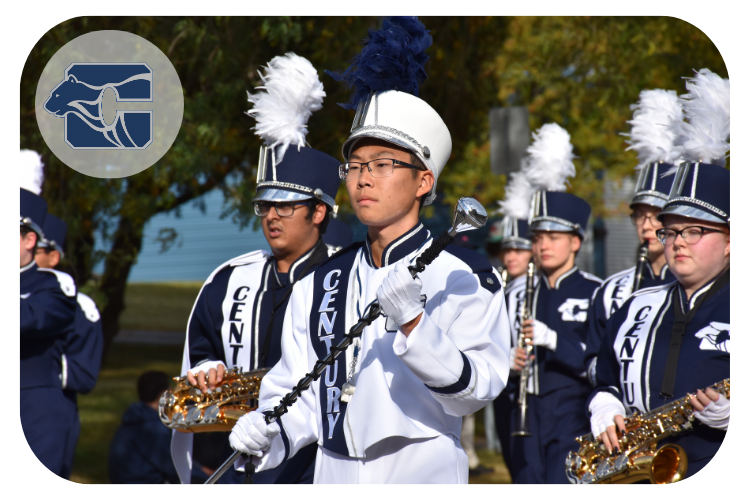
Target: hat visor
(548, 225)
(691, 213)
(27, 222)
(275, 194)
(648, 200)
(516, 244)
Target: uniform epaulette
(67, 285)
(590, 277)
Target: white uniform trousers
(397, 460)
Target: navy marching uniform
(652, 189)
(238, 316)
(82, 356)
(557, 385)
(635, 350)
(47, 315)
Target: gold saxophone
(639, 458)
(187, 409)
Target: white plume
(293, 92)
(518, 193)
(650, 135)
(705, 134)
(31, 171)
(550, 159)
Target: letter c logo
(327, 280)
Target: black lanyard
(316, 257)
(681, 321)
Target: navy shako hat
(699, 191)
(338, 235)
(287, 169)
(556, 211)
(55, 232)
(301, 175)
(653, 187)
(33, 212)
(515, 234)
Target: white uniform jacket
(454, 362)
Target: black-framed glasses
(382, 167)
(639, 219)
(691, 235)
(283, 208)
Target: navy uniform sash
(328, 326)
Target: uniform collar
(399, 248)
(696, 295)
(662, 273)
(298, 266)
(28, 266)
(567, 274)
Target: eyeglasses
(283, 208)
(383, 168)
(691, 235)
(640, 219)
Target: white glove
(544, 336)
(251, 435)
(603, 409)
(206, 367)
(400, 295)
(716, 414)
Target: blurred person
(338, 235)
(82, 353)
(654, 143)
(140, 449)
(47, 316)
(238, 316)
(389, 409)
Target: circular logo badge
(109, 104)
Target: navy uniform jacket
(237, 319)
(564, 309)
(83, 350)
(608, 298)
(634, 353)
(48, 309)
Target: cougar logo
(714, 337)
(78, 100)
(574, 310)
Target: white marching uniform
(404, 421)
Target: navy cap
(33, 212)
(652, 187)
(699, 191)
(55, 232)
(338, 234)
(301, 175)
(515, 234)
(556, 211)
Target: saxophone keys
(193, 415)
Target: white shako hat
(386, 76)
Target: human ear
(54, 259)
(320, 213)
(575, 244)
(426, 181)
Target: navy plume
(393, 58)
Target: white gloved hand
(206, 367)
(603, 409)
(716, 414)
(400, 295)
(544, 336)
(251, 435)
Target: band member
(238, 316)
(82, 354)
(47, 315)
(338, 235)
(671, 340)
(556, 385)
(515, 248)
(654, 143)
(389, 410)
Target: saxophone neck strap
(681, 321)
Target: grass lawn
(159, 306)
(164, 307)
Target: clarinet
(522, 421)
(640, 266)
(469, 214)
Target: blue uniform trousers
(46, 418)
(555, 420)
